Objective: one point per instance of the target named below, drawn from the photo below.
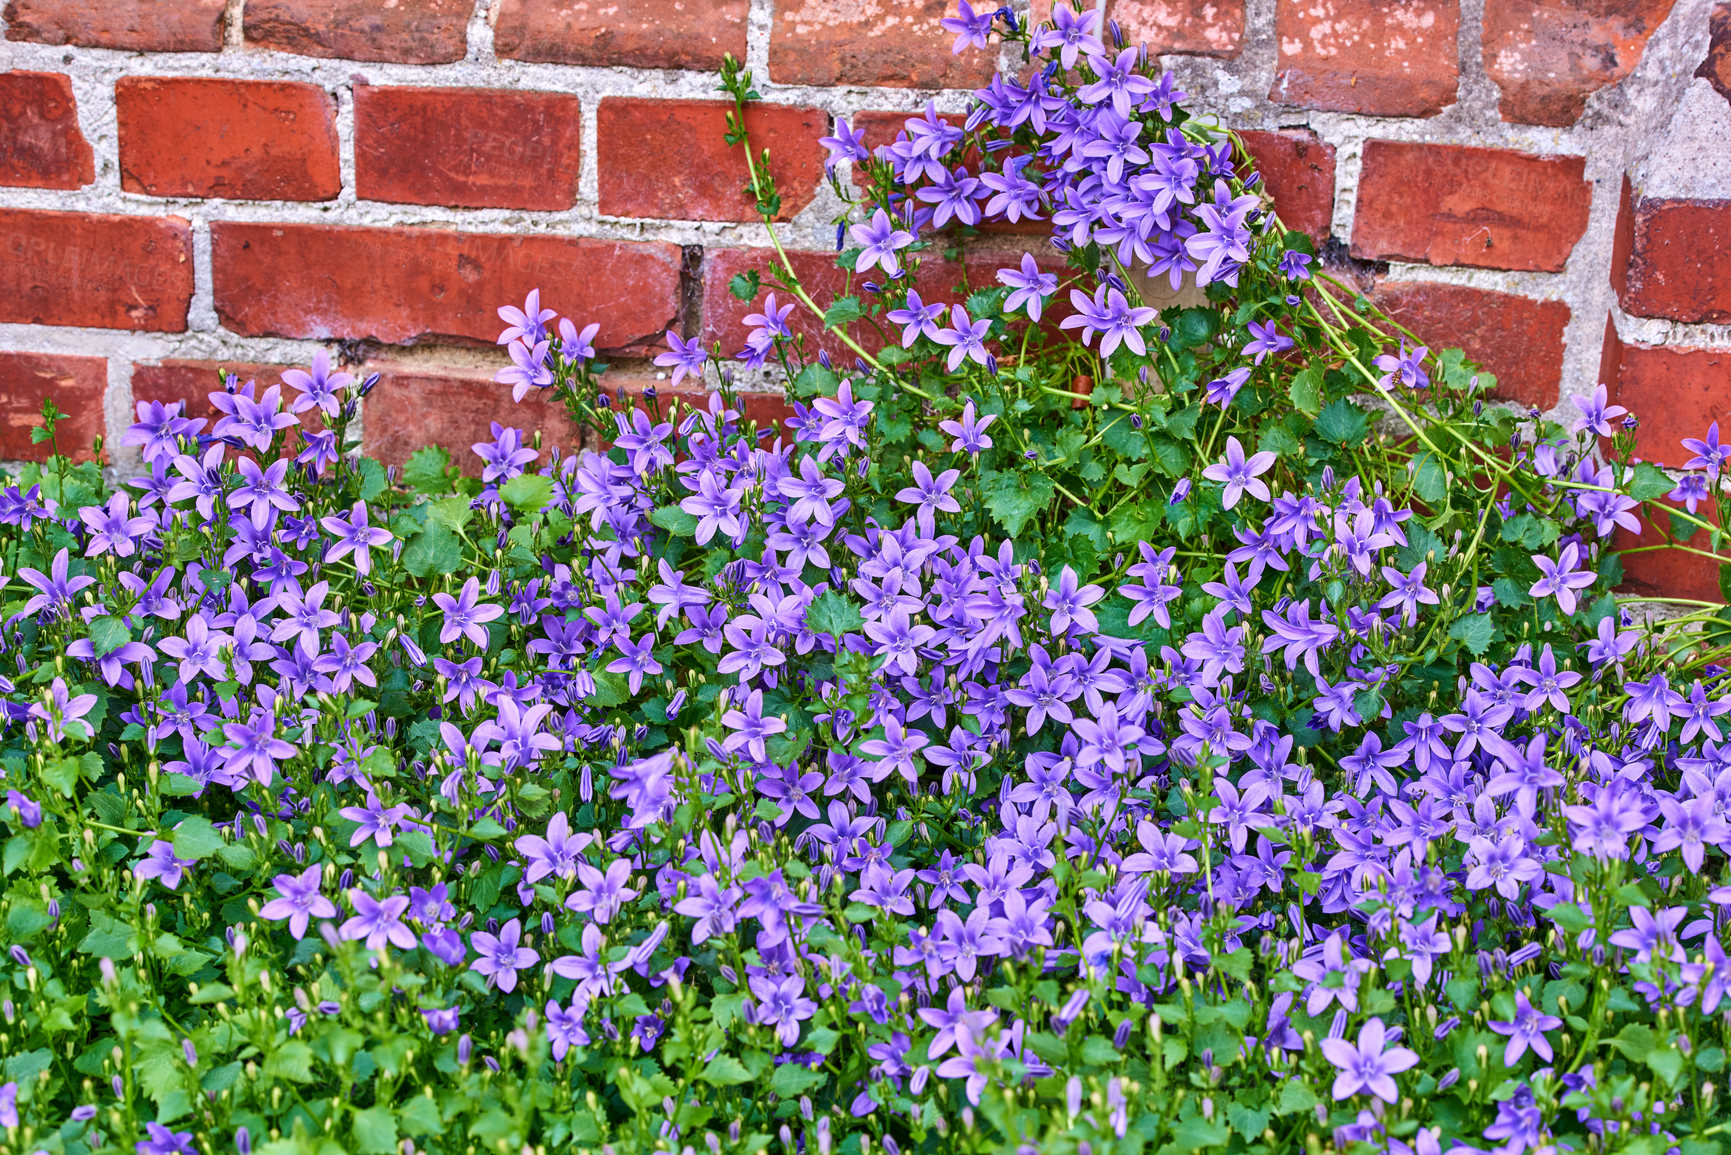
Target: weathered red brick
(134, 25)
(1669, 258)
(41, 145)
(1485, 207)
(1297, 168)
(1673, 392)
(402, 31)
(1517, 338)
(633, 138)
(416, 405)
(1670, 573)
(1548, 56)
(694, 34)
(95, 270)
(77, 386)
(883, 43)
(245, 139)
(467, 147)
(1376, 57)
(1716, 68)
(401, 286)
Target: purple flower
(162, 1141)
(686, 358)
(464, 617)
(161, 864)
(917, 318)
(111, 530)
(1108, 313)
(1709, 454)
(846, 144)
(299, 899)
(1031, 286)
(1597, 413)
(966, 338)
(931, 494)
(1265, 339)
(1240, 474)
(565, 1027)
(879, 241)
(1560, 578)
(600, 895)
(1527, 1029)
(355, 535)
(501, 955)
(971, 29)
(750, 728)
(1369, 1065)
(526, 324)
(782, 1004)
(1407, 369)
(378, 921)
(970, 436)
(319, 388)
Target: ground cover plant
(1082, 728)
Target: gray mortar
(1659, 124)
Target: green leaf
(1295, 1096)
(792, 1080)
(1667, 1063)
(1649, 482)
(1016, 498)
(745, 285)
(196, 838)
(1429, 478)
(376, 1130)
(292, 1060)
(834, 615)
(454, 513)
(528, 493)
(675, 521)
(724, 1071)
(1510, 594)
(844, 311)
(373, 479)
(1306, 390)
(428, 470)
(1342, 423)
(1475, 631)
(108, 634)
(1635, 1041)
(1249, 1122)
(1172, 458)
(435, 550)
(108, 937)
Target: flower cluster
(724, 786)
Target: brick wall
(188, 183)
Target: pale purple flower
(1240, 474)
(299, 899)
(1368, 1065)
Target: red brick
(41, 145)
(401, 286)
(1673, 392)
(1716, 68)
(95, 270)
(1517, 338)
(1484, 207)
(882, 43)
(1298, 170)
(467, 147)
(1669, 258)
(634, 139)
(1548, 56)
(402, 31)
(1670, 573)
(692, 34)
(243, 139)
(77, 385)
(418, 405)
(1376, 57)
(134, 25)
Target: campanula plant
(1204, 727)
